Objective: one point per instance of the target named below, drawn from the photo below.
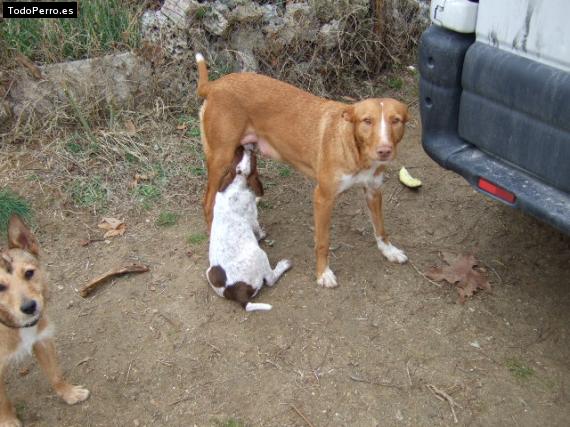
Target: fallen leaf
(33, 68)
(133, 268)
(140, 177)
(460, 271)
(182, 126)
(114, 227)
(130, 126)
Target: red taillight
(496, 191)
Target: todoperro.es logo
(60, 9)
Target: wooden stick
(95, 283)
(443, 396)
(302, 416)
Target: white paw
(261, 234)
(74, 394)
(391, 252)
(327, 279)
(14, 422)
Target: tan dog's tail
(202, 76)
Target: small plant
(197, 171)
(284, 171)
(148, 193)
(11, 203)
(89, 192)
(167, 219)
(519, 369)
(230, 422)
(196, 238)
(395, 83)
(264, 205)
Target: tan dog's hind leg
(45, 353)
(323, 205)
(7, 414)
(374, 201)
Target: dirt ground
(161, 349)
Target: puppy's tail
(202, 76)
(257, 306)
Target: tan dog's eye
(367, 121)
(3, 287)
(396, 120)
(28, 274)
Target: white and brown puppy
(24, 327)
(238, 266)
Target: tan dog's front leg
(7, 414)
(323, 206)
(45, 353)
(374, 201)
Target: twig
(362, 380)
(409, 376)
(302, 416)
(423, 275)
(443, 396)
(91, 286)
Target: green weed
(519, 369)
(167, 219)
(196, 238)
(11, 203)
(101, 27)
(89, 192)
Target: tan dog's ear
(253, 179)
(20, 236)
(403, 111)
(348, 114)
(230, 173)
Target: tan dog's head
(244, 163)
(378, 126)
(22, 288)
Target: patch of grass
(284, 171)
(148, 194)
(89, 192)
(167, 219)
(196, 238)
(201, 12)
(264, 205)
(197, 171)
(101, 27)
(230, 422)
(519, 369)
(11, 203)
(395, 83)
(193, 125)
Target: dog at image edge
(238, 266)
(24, 327)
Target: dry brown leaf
(141, 177)
(460, 272)
(130, 126)
(33, 68)
(114, 227)
(182, 126)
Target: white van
(495, 99)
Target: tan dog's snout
(384, 152)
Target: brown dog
(336, 144)
(23, 325)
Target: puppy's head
(378, 126)
(243, 164)
(22, 289)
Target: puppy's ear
(253, 179)
(230, 174)
(348, 114)
(20, 236)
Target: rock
(299, 23)
(329, 34)
(215, 20)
